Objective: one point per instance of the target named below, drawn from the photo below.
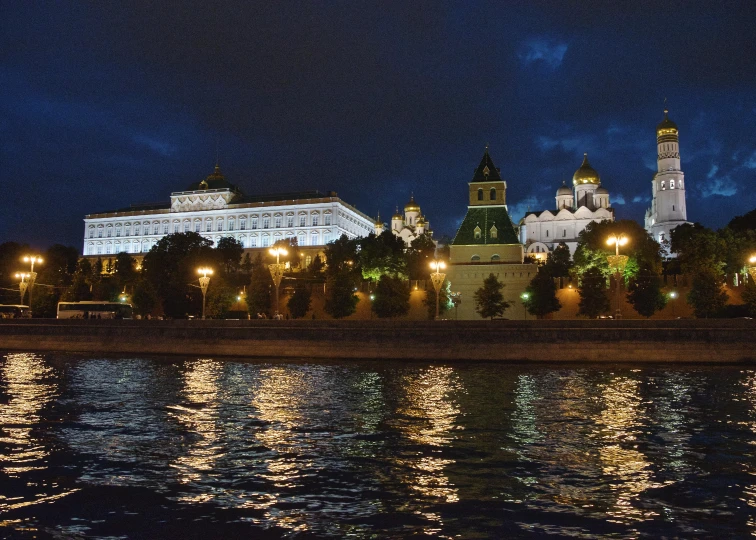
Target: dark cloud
(107, 104)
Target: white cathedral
(587, 201)
(668, 208)
(408, 227)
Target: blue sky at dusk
(107, 104)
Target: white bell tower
(668, 208)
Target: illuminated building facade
(216, 208)
(668, 209)
(587, 201)
(486, 243)
(408, 227)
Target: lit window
(663, 184)
(671, 184)
(308, 261)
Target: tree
(341, 255)
(229, 251)
(421, 252)
(171, 267)
(749, 297)
(644, 292)
(316, 267)
(489, 300)
(80, 288)
(541, 294)
(382, 255)
(558, 262)
(220, 297)
(592, 248)
(144, 299)
(299, 303)
(444, 301)
(261, 285)
(706, 295)
(392, 296)
(592, 291)
(341, 301)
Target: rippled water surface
(201, 448)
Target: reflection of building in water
(618, 426)
(199, 416)
(431, 407)
(20, 453)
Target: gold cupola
(666, 131)
(412, 206)
(586, 174)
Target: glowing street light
(32, 276)
(437, 278)
(204, 282)
(525, 297)
(752, 268)
(618, 263)
(22, 285)
(277, 270)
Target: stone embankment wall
(606, 341)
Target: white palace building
(215, 209)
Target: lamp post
(752, 268)
(437, 278)
(277, 270)
(32, 275)
(618, 262)
(525, 297)
(204, 282)
(672, 296)
(22, 285)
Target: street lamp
(22, 285)
(32, 276)
(618, 262)
(277, 270)
(752, 268)
(672, 296)
(525, 297)
(204, 281)
(437, 278)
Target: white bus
(14, 311)
(94, 310)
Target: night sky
(105, 104)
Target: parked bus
(94, 310)
(14, 311)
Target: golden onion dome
(412, 206)
(586, 174)
(397, 215)
(666, 131)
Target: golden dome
(586, 174)
(397, 215)
(666, 131)
(412, 206)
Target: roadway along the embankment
(709, 341)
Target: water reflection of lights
(619, 424)
(199, 416)
(432, 410)
(28, 393)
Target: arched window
(477, 232)
(480, 194)
(664, 185)
(494, 232)
(475, 258)
(671, 184)
(493, 194)
(495, 257)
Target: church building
(486, 243)
(215, 208)
(587, 201)
(408, 227)
(668, 209)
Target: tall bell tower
(668, 209)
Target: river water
(201, 448)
